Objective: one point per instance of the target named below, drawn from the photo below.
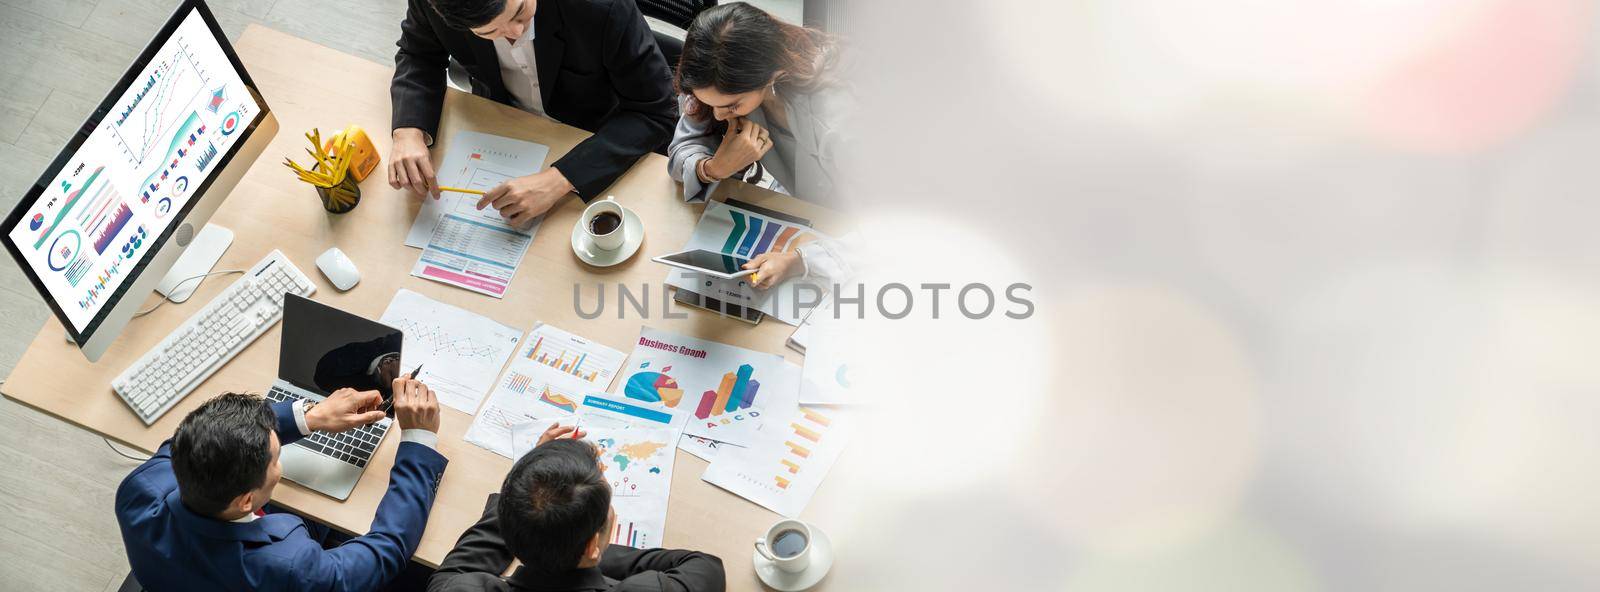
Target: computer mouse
(338, 268)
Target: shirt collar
(587, 578)
(526, 38)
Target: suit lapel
(547, 48)
(488, 62)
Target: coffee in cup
(605, 221)
(787, 545)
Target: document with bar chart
(745, 233)
(726, 389)
(637, 462)
(547, 378)
(570, 354)
(788, 460)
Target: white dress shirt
(519, 72)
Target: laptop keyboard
(354, 446)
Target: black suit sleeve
(645, 113)
(478, 559)
(667, 570)
(417, 91)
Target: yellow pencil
(460, 190)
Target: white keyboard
(197, 348)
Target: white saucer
(584, 248)
(782, 581)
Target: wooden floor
(57, 59)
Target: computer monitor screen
(134, 170)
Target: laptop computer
(323, 350)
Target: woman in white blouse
(759, 98)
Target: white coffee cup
(787, 545)
(609, 241)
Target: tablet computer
(711, 263)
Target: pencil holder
(341, 198)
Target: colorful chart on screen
(160, 140)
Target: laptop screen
(325, 349)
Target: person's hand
(346, 408)
(742, 145)
(557, 430)
(772, 268)
(409, 164)
(522, 199)
(415, 405)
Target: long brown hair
(737, 48)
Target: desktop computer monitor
(105, 222)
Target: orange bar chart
(815, 417)
(801, 431)
(798, 450)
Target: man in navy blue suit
(192, 517)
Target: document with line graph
(460, 352)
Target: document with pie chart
(725, 389)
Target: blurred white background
(1316, 288)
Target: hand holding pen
(388, 404)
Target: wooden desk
(307, 86)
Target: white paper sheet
(548, 378)
(460, 352)
(475, 161)
(725, 390)
(783, 468)
(464, 246)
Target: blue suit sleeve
(147, 485)
(287, 430)
(370, 561)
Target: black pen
(389, 404)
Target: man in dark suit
(592, 64)
(554, 514)
(192, 516)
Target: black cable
(123, 454)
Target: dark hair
(468, 14)
(737, 48)
(553, 502)
(222, 450)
